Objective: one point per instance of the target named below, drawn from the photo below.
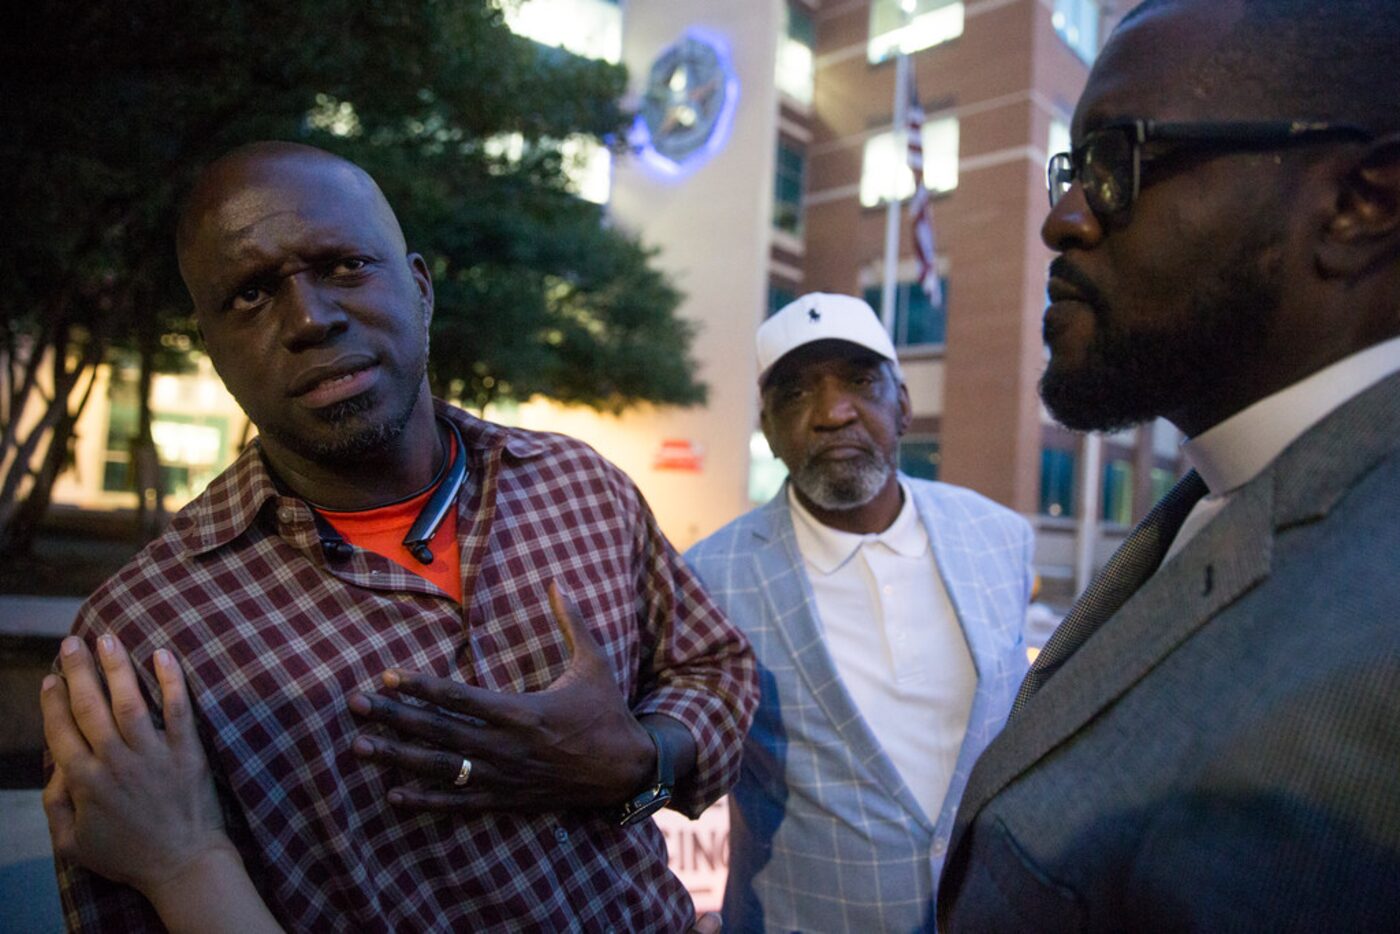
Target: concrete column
(712, 226)
(1086, 541)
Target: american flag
(921, 206)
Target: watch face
(645, 804)
(689, 101)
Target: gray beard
(844, 485)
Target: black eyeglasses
(1109, 161)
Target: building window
(928, 23)
(884, 172)
(766, 472)
(193, 448)
(1162, 481)
(1118, 492)
(588, 167)
(1059, 140)
(917, 322)
(778, 297)
(796, 72)
(1077, 22)
(587, 163)
(1056, 483)
(787, 189)
(591, 28)
(918, 457)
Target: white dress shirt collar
(827, 549)
(1237, 450)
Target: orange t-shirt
(382, 530)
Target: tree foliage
(111, 108)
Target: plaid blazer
(824, 835)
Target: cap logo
(813, 315)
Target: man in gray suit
(1211, 740)
(885, 613)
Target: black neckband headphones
(451, 473)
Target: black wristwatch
(656, 796)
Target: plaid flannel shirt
(273, 637)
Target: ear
(906, 410)
(418, 267)
(1365, 228)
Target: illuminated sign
(679, 454)
(688, 106)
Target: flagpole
(893, 208)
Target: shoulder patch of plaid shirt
(273, 638)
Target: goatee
(1131, 375)
(845, 484)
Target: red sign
(679, 454)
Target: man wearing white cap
(886, 615)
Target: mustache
(1061, 268)
(841, 441)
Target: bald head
(1337, 61)
(311, 309)
(225, 185)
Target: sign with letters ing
(698, 852)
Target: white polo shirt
(895, 640)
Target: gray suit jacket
(1224, 753)
(824, 834)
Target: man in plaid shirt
(464, 731)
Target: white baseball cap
(820, 316)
